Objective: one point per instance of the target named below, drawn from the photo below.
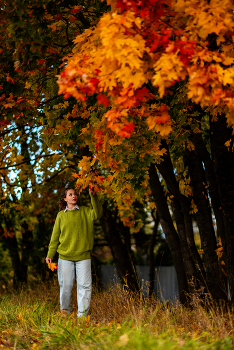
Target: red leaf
(127, 130)
(9, 79)
(41, 61)
(72, 19)
(3, 122)
(141, 93)
(73, 11)
(101, 179)
(58, 17)
(102, 99)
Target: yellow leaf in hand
(52, 266)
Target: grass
(31, 320)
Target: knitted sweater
(73, 232)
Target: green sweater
(73, 232)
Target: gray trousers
(67, 271)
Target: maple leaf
(75, 175)
(52, 266)
(75, 10)
(102, 99)
(126, 130)
(58, 17)
(41, 61)
(72, 19)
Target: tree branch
(27, 161)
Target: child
(72, 238)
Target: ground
(30, 319)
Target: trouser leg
(66, 278)
(84, 286)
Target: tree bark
(124, 265)
(151, 254)
(188, 262)
(13, 248)
(165, 167)
(213, 190)
(169, 231)
(27, 245)
(205, 224)
(223, 160)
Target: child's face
(71, 197)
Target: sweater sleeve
(54, 241)
(97, 210)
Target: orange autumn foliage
(131, 59)
(161, 42)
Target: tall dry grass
(200, 316)
(31, 320)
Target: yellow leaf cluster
(162, 129)
(168, 69)
(206, 17)
(121, 53)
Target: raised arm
(96, 212)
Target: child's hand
(51, 266)
(91, 190)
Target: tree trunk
(223, 160)
(124, 265)
(169, 231)
(125, 231)
(205, 224)
(27, 246)
(12, 245)
(151, 254)
(213, 190)
(165, 167)
(188, 262)
(13, 248)
(27, 236)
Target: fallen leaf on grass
(4, 343)
(123, 339)
(87, 320)
(20, 316)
